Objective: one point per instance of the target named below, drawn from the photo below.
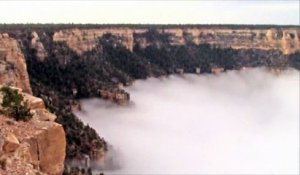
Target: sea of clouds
(231, 123)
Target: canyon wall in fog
(64, 63)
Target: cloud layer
(235, 122)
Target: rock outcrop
(86, 39)
(35, 146)
(118, 96)
(285, 39)
(13, 69)
(38, 46)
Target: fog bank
(235, 122)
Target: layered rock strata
(285, 40)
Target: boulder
(11, 143)
(47, 149)
(34, 102)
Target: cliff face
(86, 39)
(35, 146)
(13, 69)
(38, 46)
(285, 40)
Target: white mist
(238, 122)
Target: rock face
(35, 146)
(285, 40)
(116, 95)
(13, 70)
(38, 46)
(84, 40)
(47, 148)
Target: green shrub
(13, 104)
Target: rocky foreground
(37, 146)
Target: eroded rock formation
(32, 147)
(86, 39)
(118, 96)
(13, 69)
(285, 40)
(38, 46)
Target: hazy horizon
(151, 12)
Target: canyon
(58, 65)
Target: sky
(151, 12)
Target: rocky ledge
(32, 147)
